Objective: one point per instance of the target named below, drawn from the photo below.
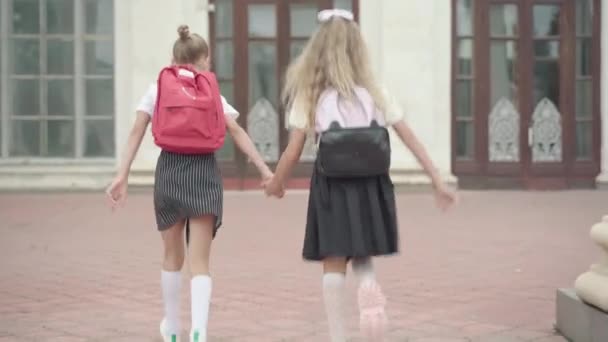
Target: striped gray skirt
(187, 186)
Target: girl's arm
(288, 160)
(244, 143)
(117, 191)
(413, 144)
(135, 137)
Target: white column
(603, 178)
(442, 108)
(371, 21)
(123, 70)
(416, 50)
(143, 47)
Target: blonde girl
(349, 219)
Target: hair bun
(184, 32)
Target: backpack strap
(210, 78)
(159, 87)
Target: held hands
(116, 192)
(272, 188)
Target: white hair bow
(327, 14)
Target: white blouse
(327, 105)
(148, 102)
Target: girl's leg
(363, 269)
(171, 279)
(373, 320)
(333, 296)
(201, 235)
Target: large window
(56, 79)
(526, 95)
(253, 42)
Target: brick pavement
(488, 271)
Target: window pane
(546, 49)
(60, 16)
(25, 139)
(344, 4)
(26, 57)
(546, 81)
(464, 140)
(60, 138)
(546, 20)
(227, 151)
(503, 76)
(465, 57)
(303, 19)
(99, 138)
(60, 57)
(100, 97)
(227, 90)
(223, 18)
(584, 17)
(584, 140)
(26, 16)
(262, 21)
(224, 59)
(464, 20)
(99, 16)
(296, 48)
(583, 56)
(26, 97)
(262, 72)
(464, 99)
(584, 95)
(504, 20)
(61, 97)
(99, 57)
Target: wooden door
(535, 98)
(253, 42)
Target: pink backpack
(189, 116)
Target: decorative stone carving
(546, 133)
(503, 126)
(592, 286)
(263, 128)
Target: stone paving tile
(486, 272)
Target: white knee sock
(364, 270)
(333, 295)
(200, 300)
(171, 283)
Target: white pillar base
(602, 180)
(591, 286)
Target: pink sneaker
(373, 320)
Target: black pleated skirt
(350, 217)
(187, 186)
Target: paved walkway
(488, 271)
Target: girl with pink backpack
(189, 122)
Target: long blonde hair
(335, 57)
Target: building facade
(503, 93)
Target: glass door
(546, 108)
(526, 108)
(253, 42)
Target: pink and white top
(349, 114)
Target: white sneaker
(372, 316)
(165, 335)
(198, 336)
